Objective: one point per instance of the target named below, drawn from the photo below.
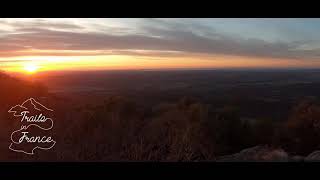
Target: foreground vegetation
(117, 129)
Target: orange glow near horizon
(32, 64)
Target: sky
(94, 44)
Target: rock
(297, 158)
(314, 156)
(257, 153)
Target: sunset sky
(94, 44)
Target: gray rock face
(296, 159)
(314, 156)
(257, 153)
(266, 153)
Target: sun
(31, 68)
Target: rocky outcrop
(315, 156)
(257, 153)
(296, 158)
(266, 153)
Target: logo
(34, 127)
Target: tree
(301, 133)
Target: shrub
(301, 133)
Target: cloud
(157, 37)
(10, 61)
(39, 23)
(146, 53)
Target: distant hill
(14, 90)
